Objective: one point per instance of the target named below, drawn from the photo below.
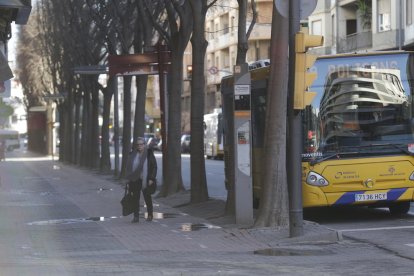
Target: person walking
(141, 172)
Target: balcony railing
(355, 42)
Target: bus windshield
(364, 106)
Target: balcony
(355, 42)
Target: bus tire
(399, 208)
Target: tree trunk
(274, 207)
(139, 119)
(199, 190)
(77, 146)
(95, 156)
(126, 133)
(177, 42)
(105, 164)
(66, 131)
(242, 44)
(85, 150)
(175, 86)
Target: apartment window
(384, 22)
(226, 28)
(317, 27)
(210, 29)
(351, 26)
(384, 18)
(226, 61)
(409, 12)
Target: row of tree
(64, 34)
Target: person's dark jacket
(151, 166)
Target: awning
(5, 71)
(21, 9)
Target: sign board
(241, 89)
(138, 64)
(243, 148)
(306, 7)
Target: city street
(310, 101)
(58, 219)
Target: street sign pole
(294, 141)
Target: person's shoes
(135, 220)
(149, 218)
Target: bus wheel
(399, 208)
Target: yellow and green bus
(358, 133)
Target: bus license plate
(370, 197)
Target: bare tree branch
(254, 11)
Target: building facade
(221, 34)
(363, 25)
(347, 26)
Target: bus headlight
(315, 179)
(412, 176)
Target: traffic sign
(213, 70)
(306, 7)
(138, 64)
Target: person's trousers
(136, 187)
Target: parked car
(185, 143)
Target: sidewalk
(99, 196)
(60, 219)
(177, 225)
